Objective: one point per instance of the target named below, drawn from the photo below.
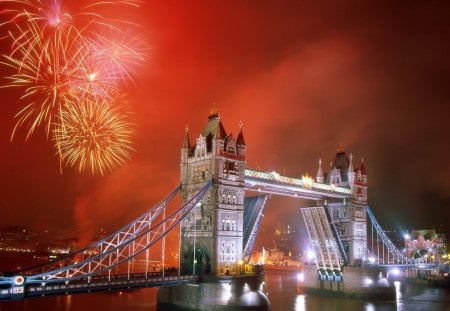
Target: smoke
(119, 198)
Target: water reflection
(68, 303)
(398, 296)
(282, 290)
(409, 296)
(300, 303)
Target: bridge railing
(396, 256)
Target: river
(280, 288)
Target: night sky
(303, 78)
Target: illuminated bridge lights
(306, 183)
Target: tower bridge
(222, 204)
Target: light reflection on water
(300, 303)
(413, 297)
(281, 289)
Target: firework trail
(94, 135)
(63, 65)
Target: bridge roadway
(304, 187)
(96, 284)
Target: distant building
(18, 239)
(285, 240)
(420, 242)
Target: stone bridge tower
(349, 216)
(212, 234)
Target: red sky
(303, 78)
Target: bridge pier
(357, 282)
(216, 293)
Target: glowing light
(226, 292)
(301, 277)
(246, 288)
(368, 281)
(395, 272)
(310, 254)
(92, 76)
(19, 280)
(307, 181)
(369, 307)
(398, 292)
(372, 260)
(300, 303)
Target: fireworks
(93, 134)
(65, 67)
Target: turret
(184, 155)
(351, 172)
(319, 175)
(240, 142)
(338, 169)
(360, 184)
(186, 146)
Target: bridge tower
(348, 216)
(212, 234)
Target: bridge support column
(357, 282)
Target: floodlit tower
(350, 216)
(212, 234)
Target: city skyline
(302, 78)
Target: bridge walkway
(96, 284)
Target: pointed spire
(319, 176)
(186, 141)
(214, 113)
(240, 138)
(351, 171)
(350, 165)
(220, 130)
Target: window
(336, 213)
(228, 224)
(359, 228)
(229, 196)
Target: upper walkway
(304, 187)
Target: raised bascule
(222, 205)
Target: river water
(280, 288)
